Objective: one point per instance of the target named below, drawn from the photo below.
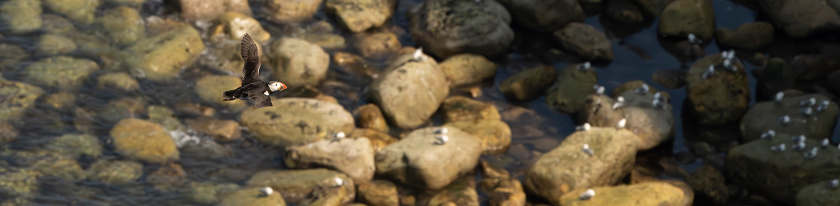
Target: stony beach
(421, 102)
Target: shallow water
(249, 155)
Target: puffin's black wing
(261, 100)
(251, 70)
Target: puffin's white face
(276, 86)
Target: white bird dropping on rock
(584, 66)
(823, 106)
(833, 183)
(442, 130)
(621, 123)
(338, 182)
(825, 142)
(418, 54)
(769, 134)
(618, 103)
(785, 119)
(266, 191)
(584, 127)
(693, 39)
(643, 89)
(779, 96)
(440, 140)
(588, 194)
(587, 150)
(708, 73)
(340, 135)
(599, 89)
(778, 148)
(808, 102)
(811, 154)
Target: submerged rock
(529, 84)
(82, 11)
(710, 182)
(211, 192)
(670, 78)
(750, 36)
(117, 172)
(460, 192)
(295, 121)
(211, 9)
(144, 140)
(569, 91)
(221, 130)
(76, 145)
(810, 67)
(225, 57)
(779, 175)
(50, 164)
(118, 80)
(465, 69)
(369, 116)
(252, 196)
(235, 25)
(764, 116)
(297, 62)
(378, 44)
(584, 41)
(544, 16)
(210, 89)
(360, 15)
(18, 182)
(683, 17)
(481, 28)
(62, 72)
(52, 44)
(500, 187)
(419, 161)
(291, 10)
(458, 108)
(801, 18)
(648, 193)
(723, 96)
(410, 91)
(124, 25)
(653, 7)
(819, 193)
(296, 185)
(568, 168)
(8, 133)
(162, 57)
(21, 16)
(352, 156)
(25, 96)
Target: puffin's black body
(252, 88)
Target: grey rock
(358, 16)
(371, 117)
(297, 185)
(352, 156)
(584, 41)
(295, 121)
(234, 25)
(764, 116)
(801, 18)
(819, 193)
(209, 89)
(50, 164)
(297, 62)
(378, 44)
(653, 7)
(482, 27)
(651, 124)
(409, 91)
(460, 192)
(118, 80)
(750, 36)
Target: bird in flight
(253, 88)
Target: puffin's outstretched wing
(251, 70)
(261, 100)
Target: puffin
(253, 88)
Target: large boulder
(723, 96)
(360, 15)
(544, 16)
(652, 124)
(571, 88)
(299, 186)
(353, 156)
(410, 91)
(448, 27)
(163, 56)
(291, 10)
(683, 17)
(647, 193)
(584, 41)
(295, 121)
(297, 62)
(802, 18)
(764, 116)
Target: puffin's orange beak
(282, 86)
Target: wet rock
(51, 44)
(62, 101)
(291, 10)
(118, 80)
(460, 192)
(500, 187)
(377, 45)
(194, 109)
(764, 116)
(210, 88)
(352, 156)
(417, 160)
(465, 69)
(205, 149)
(56, 24)
(130, 3)
(651, 124)
(295, 121)
(494, 134)
(544, 16)
(18, 182)
(167, 177)
(163, 116)
(144, 140)
(117, 172)
(326, 41)
(14, 108)
(379, 193)
(750, 36)
(221, 130)
(801, 18)
(723, 97)
(122, 108)
(211, 9)
(569, 91)
(50, 164)
(409, 91)
(91, 43)
(235, 25)
(252, 196)
(529, 84)
(624, 11)
(834, 77)
(124, 25)
(369, 116)
(809, 67)
(458, 108)
(779, 175)
(627, 195)
(81, 11)
(61, 72)
(8, 133)
(670, 78)
(584, 41)
(161, 57)
(224, 56)
(21, 16)
(816, 194)
(774, 77)
(76, 145)
(297, 62)
(633, 85)
(358, 16)
(709, 182)
(482, 27)
(378, 139)
(209, 192)
(568, 168)
(10, 55)
(653, 7)
(295, 185)
(683, 17)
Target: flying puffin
(253, 88)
